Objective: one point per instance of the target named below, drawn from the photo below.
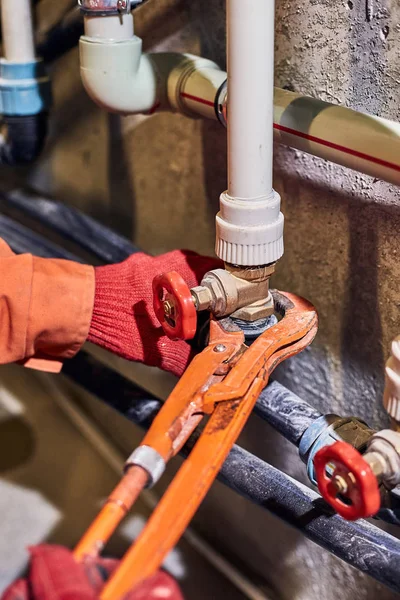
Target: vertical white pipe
(250, 54)
(18, 31)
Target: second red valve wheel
(347, 482)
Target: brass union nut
(258, 310)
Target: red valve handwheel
(362, 493)
(174, 306)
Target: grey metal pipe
(285, 411)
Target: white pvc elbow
(117, 76)
(120, 79)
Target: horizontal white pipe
(359, 141)
(190, 84)
(17, 31)
(193, 87)
(346, 137)
(250, 54)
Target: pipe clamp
(107, 8)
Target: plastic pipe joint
(25, 88)
(117, 76)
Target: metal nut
(340, 484)
(169, 309)
(148, 459)
(202, 297)
(223, 291)
(255, 311)
(253, 274)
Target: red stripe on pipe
(311, 138)
(154, 108)
(196, 99)
(316, 140)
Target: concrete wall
(158, 180)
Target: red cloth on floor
(123, 320)
(54, 575)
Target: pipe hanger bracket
(107, 8)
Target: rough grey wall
(158, 180)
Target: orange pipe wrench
(222, 382)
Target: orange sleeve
(45, 309)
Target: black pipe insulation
(104, 243)
(22, 240)
(24, 138)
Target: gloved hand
(123, 317)
(54, 575)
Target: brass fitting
(383, 456)
(236, 291)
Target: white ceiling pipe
(250, 225)
(195, 87)
(17, 31)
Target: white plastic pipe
(114, 28)
(355, 140)
(121, 79)
(193, 86)
(17, 30)
(190, 84)
(249, 226)
(359, 141)
(250, 54)
(114, 71)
